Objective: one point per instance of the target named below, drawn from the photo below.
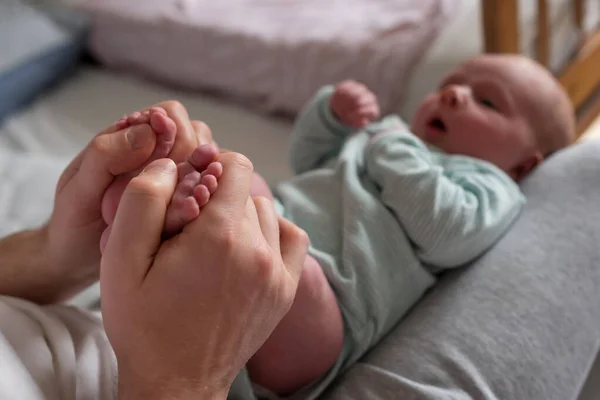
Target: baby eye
(487, 103)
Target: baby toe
(183, 169)
(188, 209)
(162, 124)
(189, 182)
(215, 168)
(159, 110)
(202, 195)
(144, 117)
(202, 156)
(211, 183)
(133, 117)
(181, 211)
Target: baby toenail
(139, 136)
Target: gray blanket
(523, 322)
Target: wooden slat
(582, 76)
(501, 26)
(590, 44)
(543, 33)
(585, 120)
(579, 6)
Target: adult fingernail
(164, 165)
(139, 136)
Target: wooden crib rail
(580, 77)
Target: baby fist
(354, 104)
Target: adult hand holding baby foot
(184, 315)
(71, 237)
(354, 104)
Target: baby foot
(165, 130)
(161, 123)
(198, 180)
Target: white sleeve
(53, 352)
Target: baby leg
(165, 131)
(308, 340)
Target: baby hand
(354, 104)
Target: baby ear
(523, 169)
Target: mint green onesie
(385, 213)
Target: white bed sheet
(63, 121)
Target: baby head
(504, 109)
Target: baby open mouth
(437, 124)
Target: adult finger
(294, 243)
(109, 155)
(267, 218)
(203, 132)
(187, 139)
(104, 238)
(136, 231)
(234, 187)
(70, 171)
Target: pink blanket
(274, 53)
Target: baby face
(483, 110)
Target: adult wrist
(63, 279)
(131, 387)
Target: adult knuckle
(228, 240)
(263, 260)
(100, 144)
(301, 237)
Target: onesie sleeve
(317, 135)
(453, 208)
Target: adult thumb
(111, 154)
(135, 234)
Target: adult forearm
(26, 271)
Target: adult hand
(73, 232)
(184, 316)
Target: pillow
(38, 47)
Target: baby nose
(454, 96)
